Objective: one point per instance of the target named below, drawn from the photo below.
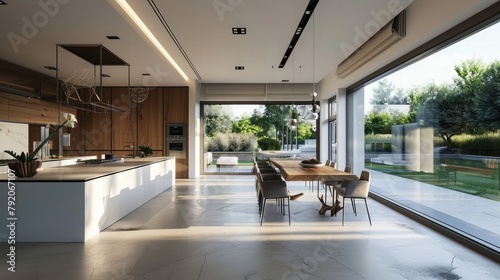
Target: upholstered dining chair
(266, 174)
(274, 189)
(355, 190)
(328, 184)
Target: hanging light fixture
(293, 120)
(315, 107)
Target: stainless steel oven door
(176, 148)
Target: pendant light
(315, 107)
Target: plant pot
(25, 169)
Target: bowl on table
(311, 165)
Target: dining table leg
(335, 208)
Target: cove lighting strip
(137, 20)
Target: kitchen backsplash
(13, 136)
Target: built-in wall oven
(176, 141)
(176, 148)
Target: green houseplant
(26, 164)
(146, 149)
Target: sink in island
(75, 202)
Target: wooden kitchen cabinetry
(176, 111)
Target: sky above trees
(439, 67)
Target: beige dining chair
(267, 174)
(355, 190)
(274, 189)
(328, 184)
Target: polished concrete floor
(208, 228)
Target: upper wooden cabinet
(124, 124)
(22, 109)
(150, 120)
(95, 128)
(176, 106)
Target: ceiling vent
(239, 67)
(384, 38)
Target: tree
(217, 120)
(470, 83)
(443, 109)
(305, 131)
(245, 126)
(488, 99)
(382, 93)
(387, 94)
(276, 115)
(378, 123)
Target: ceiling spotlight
(285, 81)
(49, 67)
(146, 74)
(239, 30)
(239, 67)
(105, 75)
(298, 32)
(113, 37)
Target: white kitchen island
(74, 203)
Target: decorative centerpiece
(26, 165)
(312, 162)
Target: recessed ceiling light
(105, 75)
(113, 37)
(285, 81)
(146, 74)
(50, 67)
(239, 30)
(239, 67)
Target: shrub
(231, 142)
(484, 145)
(269, 144)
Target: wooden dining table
(291, 170)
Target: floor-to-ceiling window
(235, 133)
(431, 135)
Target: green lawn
(467, 182)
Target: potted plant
(26, 164)
(146, 150)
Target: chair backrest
(348, 169)
(333, 164)
(360, 188)
(327, 162)
(365, 176)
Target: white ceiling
(31, 32)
